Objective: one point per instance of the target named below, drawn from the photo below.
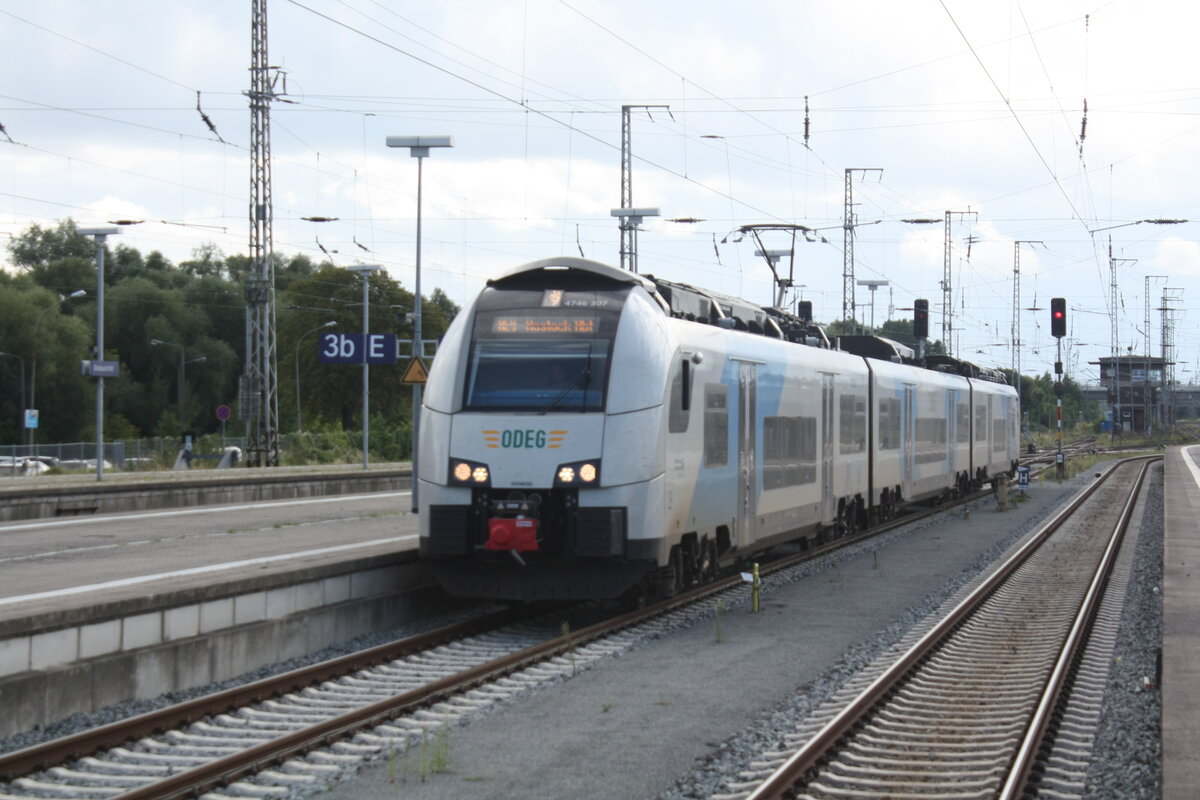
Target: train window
(999, 435)
(538, 374)
(852, 430)
(981, 416)
(962, 434)
(716, 425)
(931, 430)
(889, 423)
(931, 440)
(789, 451)
(681, 398)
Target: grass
(1079, 464)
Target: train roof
(680, 300)
(877, 347)
(883, 349)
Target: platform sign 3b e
(348, 348)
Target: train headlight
(578, 473)
(469, 473)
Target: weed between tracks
(432, 756)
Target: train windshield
(540, 359)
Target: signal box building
(1136, 393)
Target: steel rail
(782, 782)
(31, 759)
(1018, 775)
(196, 781)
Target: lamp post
(100, 235)
(418, 148)
(365, 270)
(872, 285)
(33, 366)
(296, 361)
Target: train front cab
(541, 442)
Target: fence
(138, 454)
(330, 447)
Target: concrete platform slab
(1181, 623)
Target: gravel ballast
(681, 714)
(685, 710)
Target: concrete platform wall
(23, 503)
(47, 675)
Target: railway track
(964, 707)
(302, 727)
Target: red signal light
(1058, 317)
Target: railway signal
(1058, 317)
(921, 319)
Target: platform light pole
(872, 285)
(100, 235)
(33, 366)
(365, 270)
(296, 361)
(418, 148)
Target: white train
(588, 432)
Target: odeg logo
(527, 438)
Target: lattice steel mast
(1016, 311)
(630, 217)
(947, 293)
(849, 312)
(259, 391)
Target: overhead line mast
(848, 226)
(259, 390)
(630, 217)
(947, 294)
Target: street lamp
(872, 285)
(33, 366)
(100, 235)
(418, 148)
(183, 362)
(296, 361)
(365, 270)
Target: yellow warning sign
(415, 372)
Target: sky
(745, 114)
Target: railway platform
(99, 609)
(1181, 623)
(80, 494)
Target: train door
(827, 505)
(952, 431)
(747, 485)
(908, 416)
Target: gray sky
(965, 106)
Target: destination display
(546, 324)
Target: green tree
(40, 247)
